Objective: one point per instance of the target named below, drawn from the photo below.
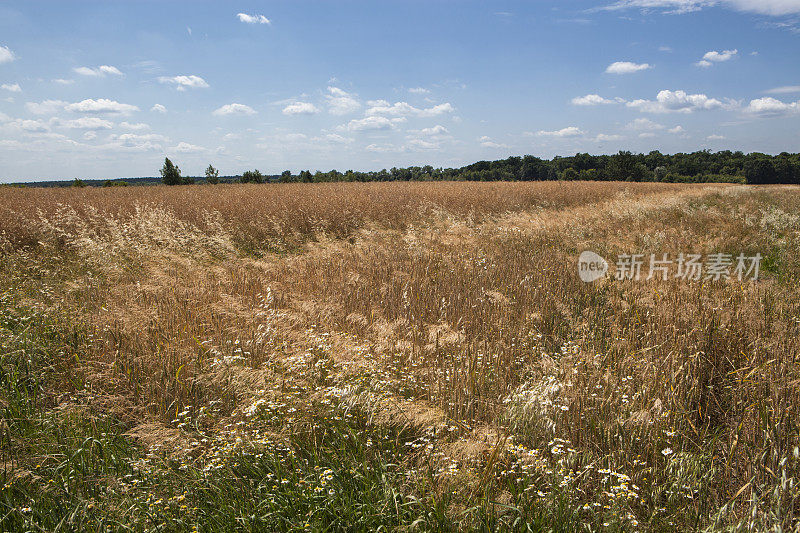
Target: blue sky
(107, 89)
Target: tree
(252, 176)
(78, 183)
(305, 176)
(170, 174)
(759, 169)
(286, 176)
(212, 175)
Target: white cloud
(90, 135)
(679, 102)
(715, 138)
(300, 108)
(603, 137)
(627, 67)
(134, 127)
(488, 142)
(787, 89)
(6, 55)
(373, 123)
(185, 82)
(571, 131)
(86, 123)
(647, 135)
(341, 102)
(772, 107)
(665, 49)
(716, 57)
(14, 88)
(29, 126)
(101, 106)
(46, 107)
(420, 144)
(99, 72)
(644, 124)
(436, 131)
(399, 109)
(763, 7)
(62, 81)
(234, 109)
(377, 148)
(150, 142)
(334, 138)
(676, 129)
(186, 148)
(253, 19)
(418, 90)
(158, 108)
(595, 99)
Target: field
(396, 356)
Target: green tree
(759, 169)
(77, 182)
(212, 175)
(170, 174)
(252, 176)
(286, 176)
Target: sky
(108, 89)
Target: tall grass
(429, 346)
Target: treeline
(702, 166)
(696, 167)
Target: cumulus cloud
(571, 131)
(772, 107)
(86, 123)
(373, 123)
(595, 99)
(253, 19)
(763, 7)
(133, 142)
(300, 108)
(679, 102)
(98, 72)
(603, 137)
(676, 129)
(488, 142)
(185, 82)
(435, 131)
(644, 124)
(29, 126)
(101, 106)
(234, 109)
(62, 81)
(341, 102)
(421, 144)
(134, 127)
(13, 87)
(627, 67)
(398, 109)
(716, 57)
(715, 138)
(45, 107)
(418, 90)
(158, 108)
(186, 148)
(6, 55)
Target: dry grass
(451, 311)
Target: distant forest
(696, 167)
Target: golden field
(396, 356)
